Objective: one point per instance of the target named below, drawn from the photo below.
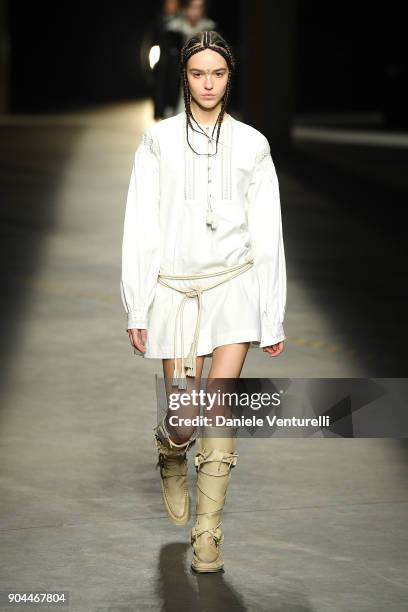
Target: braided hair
(209, 39)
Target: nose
(208, 82)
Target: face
(170, 7)
(207, 74)
(194, 11)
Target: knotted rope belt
(195, 291)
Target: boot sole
(175, 519)
(203, 569)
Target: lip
(208, 96)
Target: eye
(219, 74)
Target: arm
(265, 226)
(141, 234)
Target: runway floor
(310, 525)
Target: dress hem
(167, 352)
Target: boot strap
(216, 533)
(229, 458)
(167, 447)
(162, 435)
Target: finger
(130, 334)
(279, 349)
(135, 339)
(138, 343)
(274, 350)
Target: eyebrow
(199, 70)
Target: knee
(179, 435)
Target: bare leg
(182, 434)
(228, 360)
(227, 363)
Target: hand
(138, 338)
(275, 349)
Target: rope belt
(179, 375)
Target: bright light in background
(154, 56)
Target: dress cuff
(137, 319)
(272, 332)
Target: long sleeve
(141, 234)
(265, 227)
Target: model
(203, 270)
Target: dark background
(349, 56)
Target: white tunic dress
(165, 231)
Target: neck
(206, 116)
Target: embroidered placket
(211, 218)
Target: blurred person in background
(166, 78)
(169, 9)
(190, 20)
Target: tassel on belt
(179, 375)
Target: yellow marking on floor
(60, 288)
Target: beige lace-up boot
(172, 461)
(213, 463)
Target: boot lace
(215, 532)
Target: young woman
(203, 271)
